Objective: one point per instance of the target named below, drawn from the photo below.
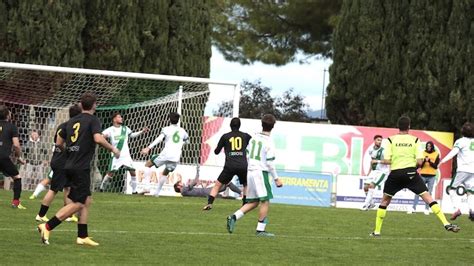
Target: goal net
(39, 98)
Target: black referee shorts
(404, 178)
(80, 184)
(8, 168)
(229, 172)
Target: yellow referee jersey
(403, 150)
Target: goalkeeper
(194, 190)
(118, 135)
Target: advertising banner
(323, 148)
(350, 194)
(304, 188)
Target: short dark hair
(378, 136)
(268, 121)
(403, 123)
(467, 130)
(116, 114)
(74, 110)
(235, 124)
(4, 112)
(87, 101)
(174, 117)
(176, 189)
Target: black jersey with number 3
(235, 145)
(8, 131)
(80, 144)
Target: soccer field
(168, 230)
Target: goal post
(39, 97)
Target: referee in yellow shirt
(403, 153)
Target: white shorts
(377, 177)
(159, 161)
(115, 164)
(463, 178)
(259, 187)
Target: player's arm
(99, 139)
(17, 150)
(271, 166)
(138, 133)
(220, 145)
(159, 139)
(186, 138)
(387, 153)
(450, 155)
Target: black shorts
(404, 178)
(8, 168)
(59, 180)
(80, 184)
(229, 172)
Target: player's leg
(417, 186)
(243, 181)
(368, 190)
(232, 219)
(469, 184)
(66, 200)
(253, 178)
(169, 167)
(224, 178)
(263, 219)
(392, 186)
(10, 170)
(133, 180)
(212, 195)
(458, 180)
(265, 194)
(106, 180)
(42, 185)
(80, 191)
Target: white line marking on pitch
(253, 236)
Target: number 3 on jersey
(76, 127)
(253, 154)
(235, 143)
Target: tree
(273, 32)
(42, 32)
(291, 107)
(256, 100)
(402, 57)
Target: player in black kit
(59, 180)
(235, 144)
(82, 133)
(9, 138)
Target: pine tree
(402, 57)
(40, 32)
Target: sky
(305, 79)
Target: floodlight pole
(322, 93)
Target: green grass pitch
(168, 230)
